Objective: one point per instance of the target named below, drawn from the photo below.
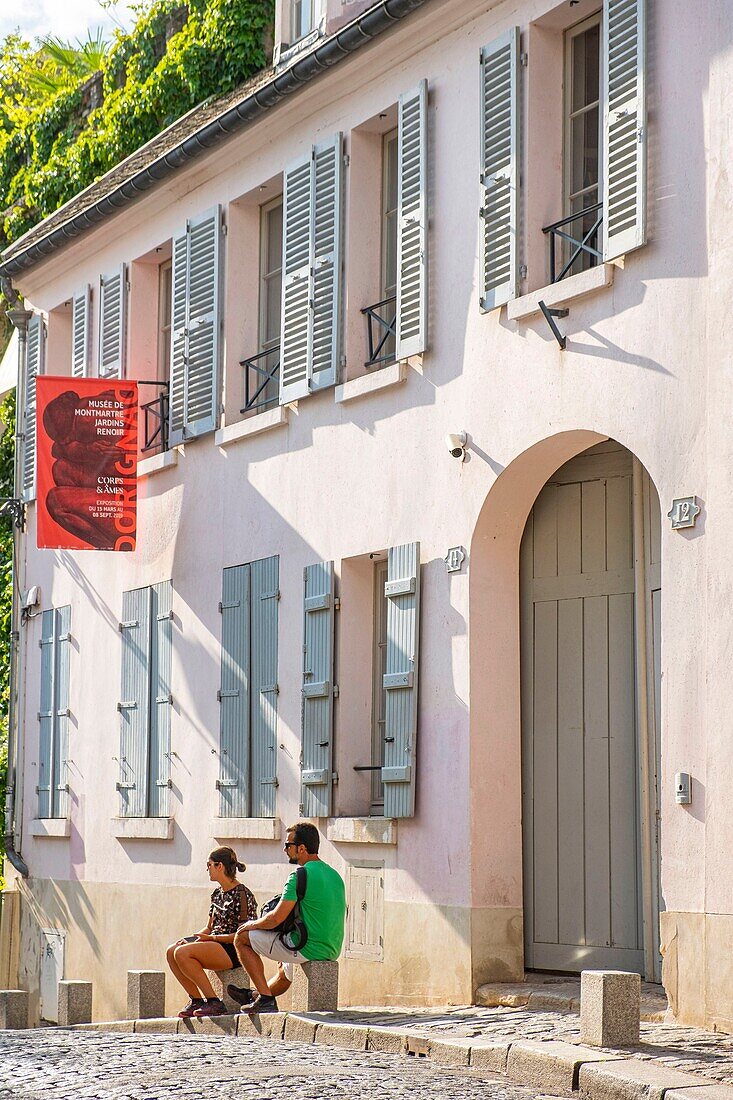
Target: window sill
(362, 830)
(562, 293)
(247, 828)
(243, 429)
(142, 828)
(381, 379)
(51, 826)
(162, 461)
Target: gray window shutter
(234, 730)
(296, 342)
(624, 127)
(61, 754)
(53, 716)
(264, 597)
(402, 590)
(46, 713)
(81, 325)
(134, 705)
(196, 328)
(161, 639)
(112, 323)
(318, 690)
(179, 295)
(35, 350)
(326, 261)
(499, 170)
(412, 223)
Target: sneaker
(243, 995)
(194, 1004)
(259, 1005)
(214, 1007)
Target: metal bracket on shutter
(318, 777)
(394, 680)
(271, 595)
(166, 615)
(231, 693)
(271, 782)
(403, 587)
(222, 784)
(128, 625)
(64, 637)
(226, 606)
(164, 783)
(318, 603)
(63, 713)
(125, 786)
(318, 690)
(270, 689)
(164, 698)
(130, 704)
(397, 775)
(44, 714)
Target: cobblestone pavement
(55, 1065)
(692, 1049)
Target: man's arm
(272, 919)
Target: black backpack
(293, 927)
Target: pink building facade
(443, 572)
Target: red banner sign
(86, 464)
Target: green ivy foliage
(50, 148)
(7, 422)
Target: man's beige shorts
(270, 946)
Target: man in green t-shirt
(323, 910)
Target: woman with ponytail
(213, 948)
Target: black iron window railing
(155, 418)
(261, 380)
(566, 248)
(381, 321)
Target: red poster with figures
(86, 463)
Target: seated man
(323, 910)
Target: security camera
(456, 444)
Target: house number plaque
(684, 512)
(454, 559)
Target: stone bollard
(220, 979)
(315, 987)
(145, 994)
(75, 1003)
(609, 1008)
(13, 1009)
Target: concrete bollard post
(610, 1006)
(75, 1003)
(220, 979)
(145, 994)
(13, 1009)
(315, 987)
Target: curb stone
(551, 1064)
(633, 1079)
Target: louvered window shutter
(264, 597)
(112, 323)
(499, 225)
(160, 705)
(402, 590)
(624, 127)
(134, 705)
(46, 713)
(412, 223)
(203, 324)
(234, 720)
(81, 318)
(60, 800)
(326, 261)
(35, 349)
(317, 709)
(179, 297)
(296, 341)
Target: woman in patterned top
(213, 948)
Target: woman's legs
(192, 959)
(177, 973)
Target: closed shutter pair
(146, 701)
(112, 326)
(53, 715)
(248, 693)
(402, 590)
(624, 148)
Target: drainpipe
(14, 793)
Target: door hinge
(522, 271)
(347, 160)
(524, 59)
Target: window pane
(273, 296)
(585, 68)
(584, 138)
(274, 238)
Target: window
(146, 702)
(379, 695)
(583, 132)
(34, 365)
(389, 237)
(303, 15)
(165, 292)
(53, 714)
(81, 331)
(249, 690)
(261, 379)
(112, 323)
